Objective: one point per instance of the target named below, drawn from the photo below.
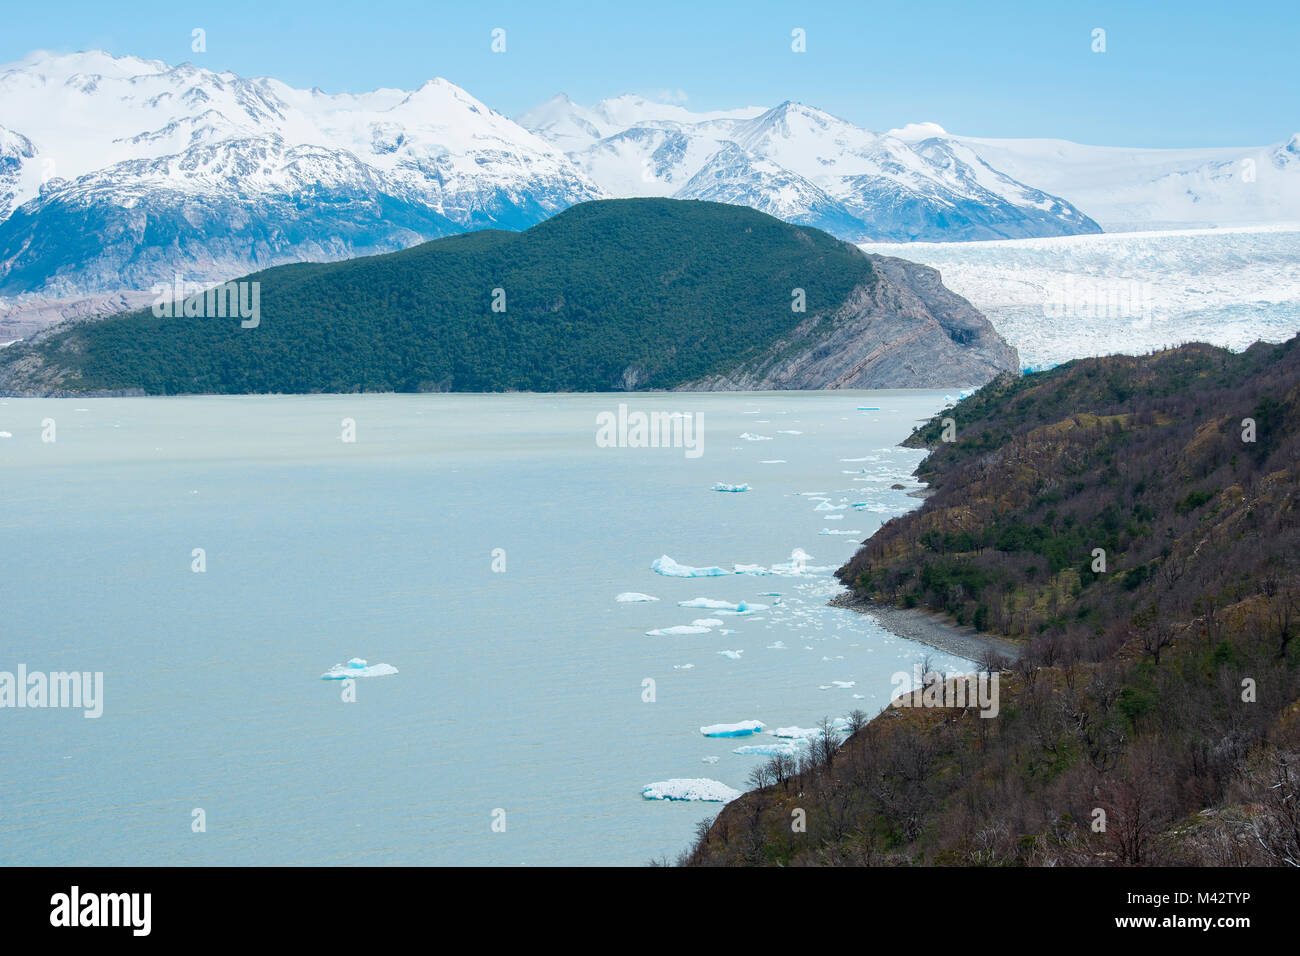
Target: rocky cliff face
(904, 329)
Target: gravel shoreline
(927, 627)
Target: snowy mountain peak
(222, 162)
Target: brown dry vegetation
(1133, 696)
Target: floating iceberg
(750, 436)
(731, 655)
(357, 668)
(769, 750)
(797, 733)
(713, 604)
(836, 531)
(772, 461)
(749, 569)
(678, 629)
(634, 597)
(788, 431)
(719, 486)
(699, 788)
(743, 729)
(706, 622)
(669, 568)
(6, 435)
(827, 506)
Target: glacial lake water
(518, 690)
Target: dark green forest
(636, 293)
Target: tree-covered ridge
(1157, 692)
(607, 295)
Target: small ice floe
(768, 750)
(750, 436)
(708, 760)
(772, 461)
(735, 489)
(744, 728)
(707, 622)
(634, 597)
(682, 667)
(788, 431)
(731, 655)
(677, 630)
(669, 568)
(833, 517)
(722, 607)
(837, 531)
(6, 434)
(841, 684)
(749, 569)
(827, 506)
(808, 733)
(868, 408)
(357, 667)
(680, 788)
(776, 646)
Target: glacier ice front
(743, 729)
(357, 667)
(669, 568)
(696, 788)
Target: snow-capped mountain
(804, 165)
(1141, 189)
(116, 172)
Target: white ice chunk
(669, 568)
(769, 750)
(357, 667)
(720, 486)
(634, 597)
(699, 788)
(742, 729)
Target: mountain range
(116, 173)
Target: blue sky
(1173, 74)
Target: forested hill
(1135, 522)
(637, 293)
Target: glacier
(1060, 299)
